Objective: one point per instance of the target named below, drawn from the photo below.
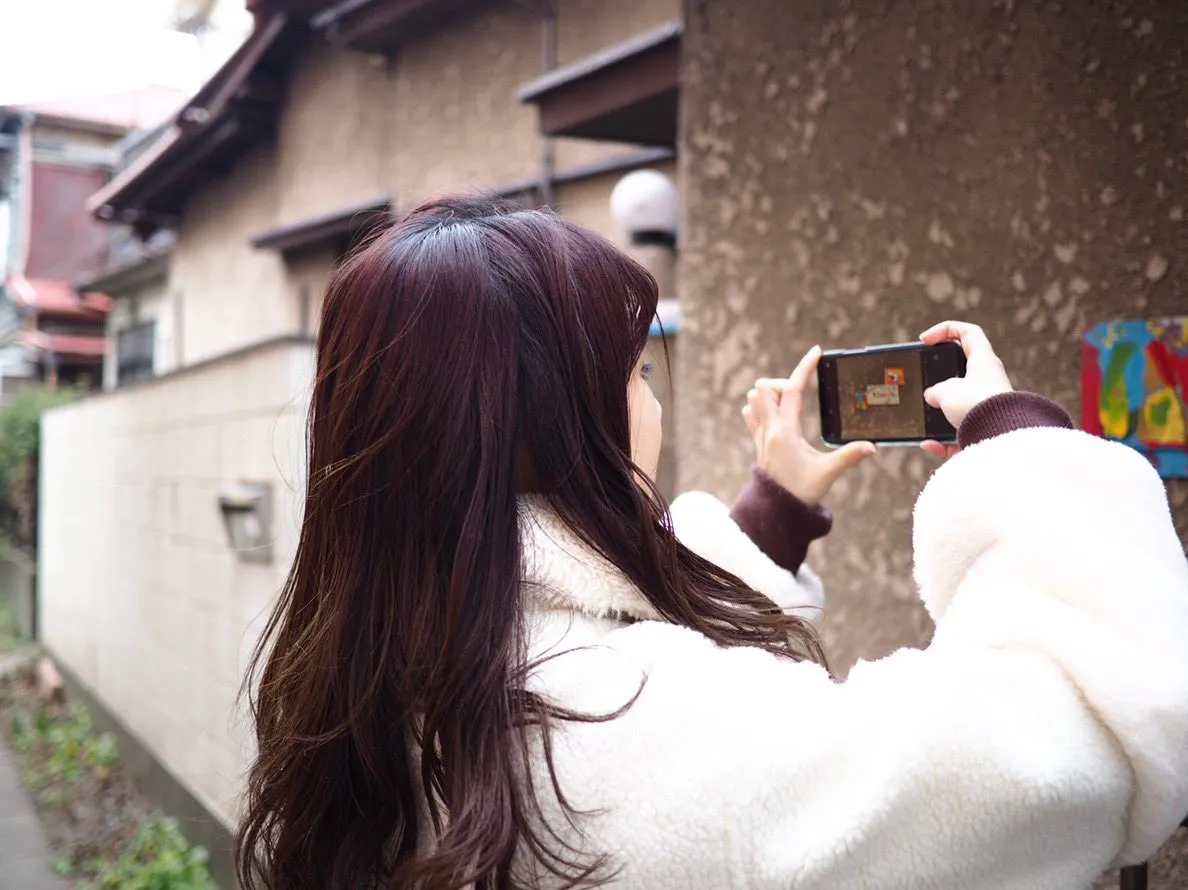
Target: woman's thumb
(937, 394)
(850, 456)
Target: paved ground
(24, 858)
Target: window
(134, 353)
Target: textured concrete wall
(141, 596)
(856, 170)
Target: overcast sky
(58, 48)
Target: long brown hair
(468, 341)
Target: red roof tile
(64, 344)
(57, 297)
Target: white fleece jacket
(1041, 737)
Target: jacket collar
(560, 571)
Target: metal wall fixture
(247, 516)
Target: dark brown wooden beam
(338, 228)
(628, 92)
(382, 25)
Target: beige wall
(306, 277)
(141, 596)
(585, 27)
(442, 115)
(1017, 165)
(230, 293)
(333, 141)
(456, 123)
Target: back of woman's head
(468, 354)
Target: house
(846, 177)
(53, 156)
(140, 326)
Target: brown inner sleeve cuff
(1010, 411)
(779, 523)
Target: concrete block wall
(141, 596)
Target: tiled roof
(64, 344)
(58, 297)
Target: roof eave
(225, 108)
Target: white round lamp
(644, 203)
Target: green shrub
(20, 426)
(10, 635)
(72, 747)
(20, 436)
(158, 858)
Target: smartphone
(876, 394)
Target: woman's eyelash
(647, 370)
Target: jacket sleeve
(703, 524)
(1041, 737)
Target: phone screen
(877, 394)
(882, 396)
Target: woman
(495, 665)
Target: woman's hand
(782, 452)
(984, 377)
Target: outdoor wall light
(644, 203)
(246, 507)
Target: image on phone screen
(882, 396)
(877, 393)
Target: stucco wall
(455, 120)
(332, 142)
(855, 171)
(585, 27)
(306, 277)
(140, 594)
(230, 293)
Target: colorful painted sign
(1134, 388)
